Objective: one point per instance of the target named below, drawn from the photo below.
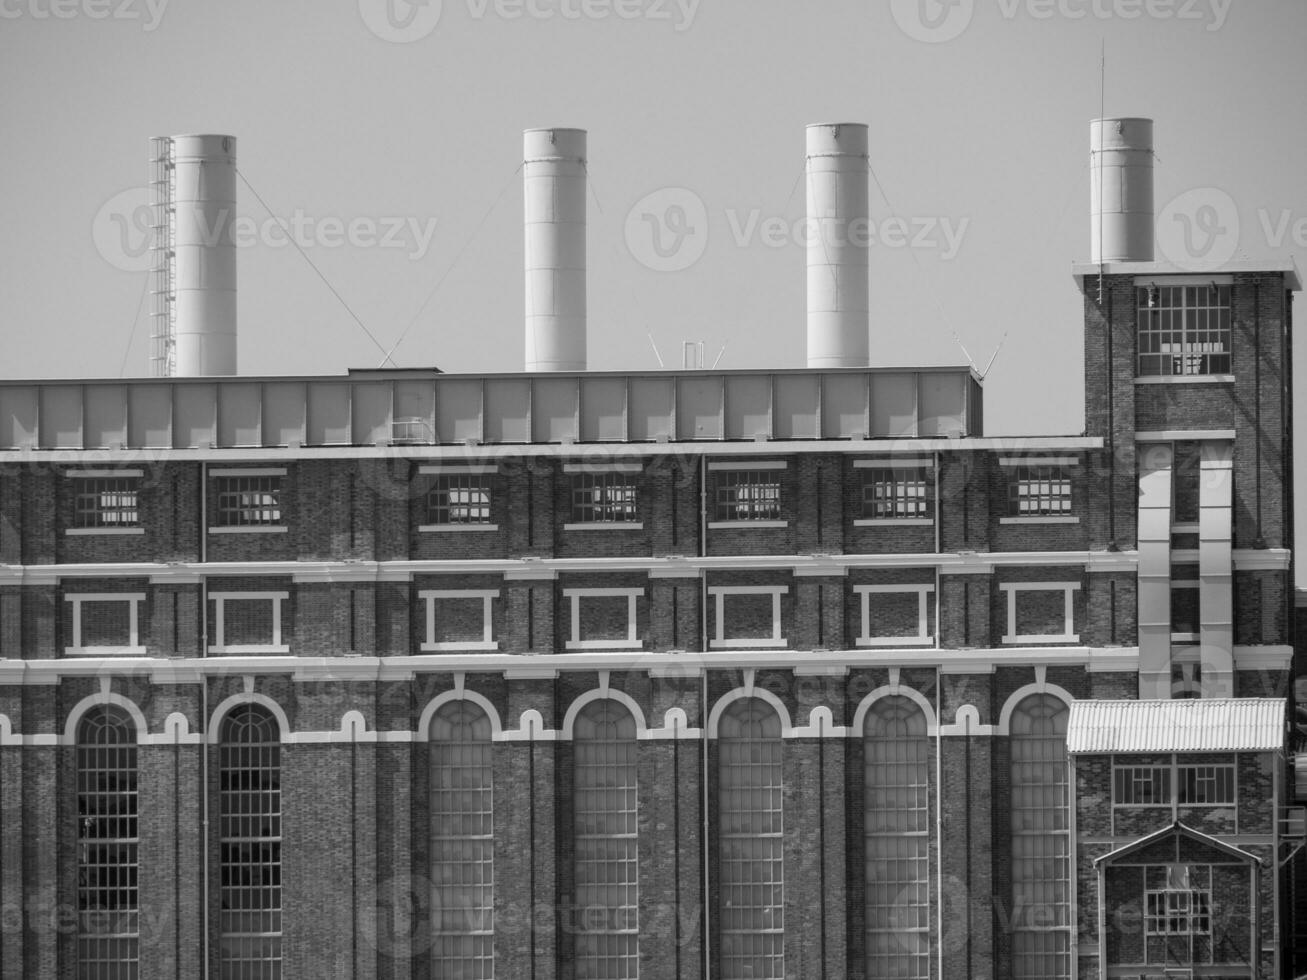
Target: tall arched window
(249, 835)
(108, 906)
(1041, 844)
(462, 843)
(607, 843)
(896, 803)
(752, 912)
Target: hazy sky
(388, 137)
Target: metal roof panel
(1182, 725)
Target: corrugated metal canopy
(1185, 725)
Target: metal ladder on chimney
(163, 273)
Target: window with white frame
(1141, 785)
(895, 615)
(1184, 330)
(1038, 489)
(1178, 900)
(747, 615)
(459, 498)
(105, 502)
(246, 622)
(459, 619)
(1205, 785)
(249, 499)
(1040, 612)
(607, 855)
(751, 829)
(747, 492)
(896, 805)
(895, 490)
(462, 856)
(606, 494)
(604, 618)
(104, 623)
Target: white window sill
(251, 529)
(458, 527)
(1185, 637)
(894, 522)
(459, 645)
(79, 531)
(252, 648)
(749, 644)
(1043, 638)
(1039, 520)
(1185, 379)
(104, 651)
(604, 526)
(768, 523)
(894, 641)
(603, 645)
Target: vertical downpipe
(703, 714)
(939, 817)
(204, 721)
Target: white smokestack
(1121, 190)
(553, 171)
(836, 174)
(195, 267)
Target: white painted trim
(758, 524)
(221, 598)
(531, 728)
(720, 592)
(1261, 559)
(1040, 520)
(632, 641)
(1186, 435)
(424, 528)
(922, 637)
(460, 469)
(99, 699)
(966, 723)
(675, 726)
(748, 691)
(621, 697)
(251, 529)
(1195, 279)
(487, 641)
(423, 731)
(102, 474)
(892, 690)
(603, 466)
(248, 471)
(747, 464)
(1188, 379)
(1067, 588)
(604, 526)
(246, 697)
(1269, 657)
(81, 531)
(1039, 461)
(892, 464)
(1041, 686)
(894, 522)
(131, 647)
(821, 724)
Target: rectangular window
(1184, 330)
(1206, 785)
(747, 495)
(606, 497)
(459, 498)
(459, 619)
(1186, 478)
(105, 501)
(105, 623)
(1141, 786)
(748, 616)
(895, 615)
(1037, 490)
(1040, 612)
(896, 493)
(248, 499)
(246, 622)
(604, 619)
(1177, 900)
(1185, 595)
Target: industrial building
(670, 675)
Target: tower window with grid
(459, 498)
(748, 495)
(1177, 900)
(249, 829)
(106, 502)
(461, 807)
(108, 902)
(1039, 491)
(1184, 330)
(751, 845)
(607, 843)
(1041, 862)
(897, 808)
(895, 492)
(249, 501)
(604, 497)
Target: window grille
(752, 873)
(897, 812)
(461, 807)
(748, 495)
(1178, 900)
(1039, 491)
(1141, 786)
(1041, 862)
(249, 829)
(106, 502)
(1184, 330)
(249, 501)
(607, 843)
(604, 496)
(108, 902)
(895, 492)
(459, 498)
(1206, 785)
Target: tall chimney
(554, 182)
(836, 175)
(194, 187)
(1121, 190)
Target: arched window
(752, 912)
(108, 906)
(607, 843)
(1041, 844)
(896, 804)
(462, 843)
(249, 837)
